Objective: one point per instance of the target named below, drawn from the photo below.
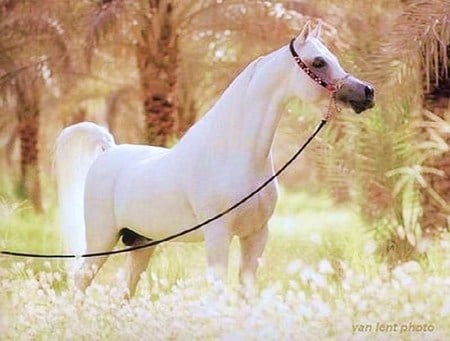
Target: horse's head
(324, 69)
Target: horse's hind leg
(90, 266)
(137, 260)
(252, 247)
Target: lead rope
(331, 111)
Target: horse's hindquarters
(101, 184)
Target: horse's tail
(77, 147)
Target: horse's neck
(243, 121)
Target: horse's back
(118, 158)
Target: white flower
(325, 267)
(315, 238)
(322, 309)
(306, 274)
(294, 267)
(370, 247)
(407, 268)
(423, 245)
(445, 311)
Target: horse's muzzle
(357, 94)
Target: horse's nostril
(369, 91)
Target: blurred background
(149, 69)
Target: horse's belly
(162, 198)
(153, 205)
(159, 219)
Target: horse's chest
(254, 213)
(214, 194)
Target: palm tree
(400, 151)
(397, 155)
(421, 39)
(32, 46)
(164, 36)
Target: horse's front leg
(217, 240)
(252, 247)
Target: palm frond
(120, 20)
(417, 40)
(33, 41)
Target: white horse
(142, 193)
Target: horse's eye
(319, 62)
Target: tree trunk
(28, 117)
(157, 55)
(187, 111)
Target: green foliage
(379, 160)
(369, 149)
(21, 229)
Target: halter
(329, 86)
(332, 88)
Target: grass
(319, 278)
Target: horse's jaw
(359, 107)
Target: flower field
(320, 279)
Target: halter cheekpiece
(329, 86)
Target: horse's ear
(317, 30)
(305, 32)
